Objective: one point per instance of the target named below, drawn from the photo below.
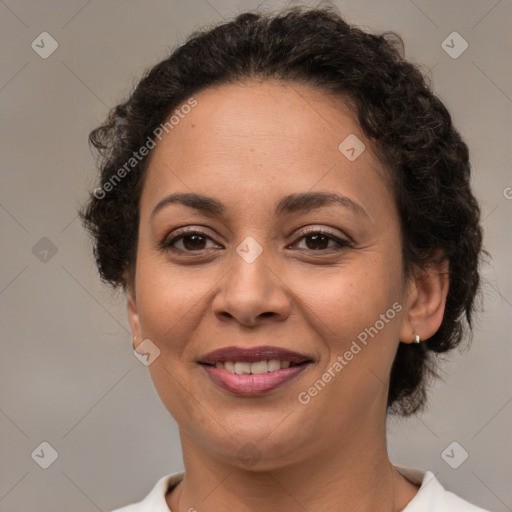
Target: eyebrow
(293, 203)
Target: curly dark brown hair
(408, 126)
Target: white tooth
(259, 367)
(242, 368)
(274, 365)
(229, 366)
(285, 364)
(220, 365)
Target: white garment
(431, 496)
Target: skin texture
(248, 145)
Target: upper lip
(253, 355)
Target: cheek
(171, 301)
(350, 299)
(358, 312)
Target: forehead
(268, 110)
(263, 135)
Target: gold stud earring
(417, 338)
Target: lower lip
(252, 385)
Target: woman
(287, 207)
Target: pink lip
(253, 355)
(252, 385)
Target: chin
(257, 449)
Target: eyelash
(342, 243)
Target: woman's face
(259, 274)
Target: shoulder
(155, 500)
(432, 496)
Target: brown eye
(191, 241)
(319, 241)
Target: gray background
(67, 372)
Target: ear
(131, 307)
(426, 300)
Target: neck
(356, 476)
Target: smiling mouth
(253, 371)
(256, 368)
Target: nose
(252, 291)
